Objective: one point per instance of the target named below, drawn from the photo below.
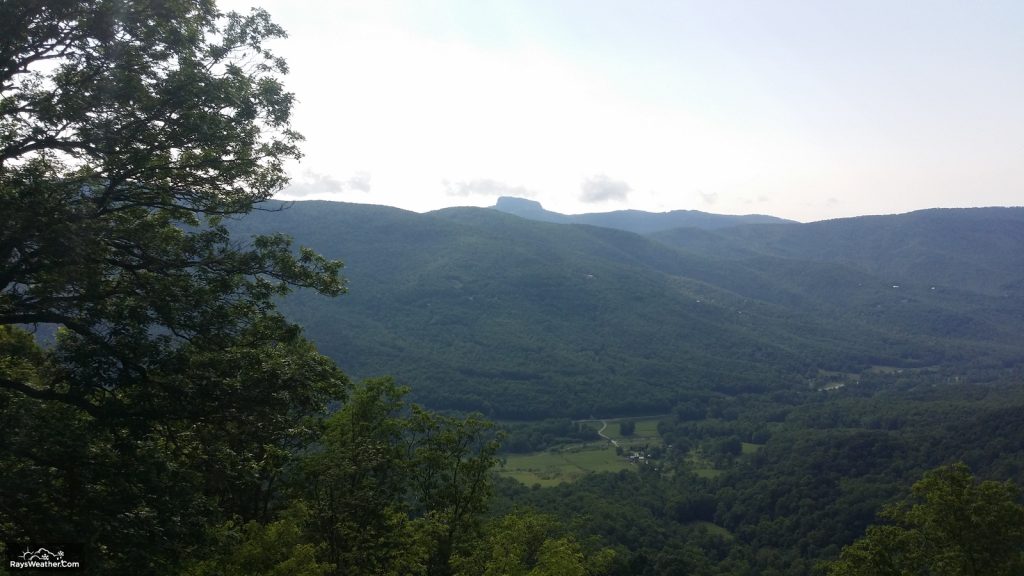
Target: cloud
(601, 188)
(315, 183)
(708, 197)
(360, 181)
(484, 187)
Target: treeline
(534, 436)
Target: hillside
(483, 310)
(977, 249)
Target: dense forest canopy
(774, 398)
(480, 310)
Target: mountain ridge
(637, 221)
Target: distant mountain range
(481, 309)
(632, 220)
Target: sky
(806, 110)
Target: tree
(627, 427)
(130, 133)
(396, 489)
(451, 463)
(278, 548)
(956, 527)
(357, 481)
(527, 543)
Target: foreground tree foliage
(527, 543)
(277, 548)
(956, 527)
(395, 489)
(172, 393)
(389, 489)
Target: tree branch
(51, 396)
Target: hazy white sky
(801, 109)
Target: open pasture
(563, 464)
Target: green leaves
(278, 548)
(527, 543)
(395, 489)
(130, 131)
(956, 527)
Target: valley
(805, 374)
(210, 367)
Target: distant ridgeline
(633, 220)
(528, 315)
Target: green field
(711, 528)
(707, 472)
(563, 464)
(646, 431)
(570, 462)
(749, 448)
(700, 465)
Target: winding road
(601, 434)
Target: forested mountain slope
(484, 310)
(974, 249)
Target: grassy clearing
(571, 462)
(711, 528)
(564, 464)
(646, 431)
(878, 369)
(701, 465)
(709, 473)
(749, 448)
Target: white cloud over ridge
(310, 184)
(708, 197)
(485, 187)
(601, 188)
